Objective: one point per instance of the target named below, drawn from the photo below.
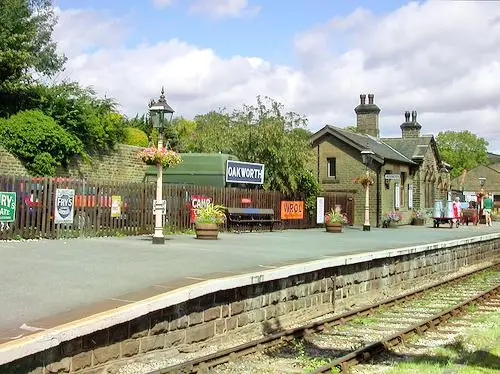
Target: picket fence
(36, 206)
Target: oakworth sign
(244, 172)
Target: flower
(163, 156)
(421, 213)
(210, 214)
(393, 216)
(364, 179)
(336, 217)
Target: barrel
(207, 231)
(438, 209)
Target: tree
(26, 46)
(93, 120)
(462, 150)
(262, 133)
(39, 142)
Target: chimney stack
(410, 129)
(367, 116)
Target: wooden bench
(251, 217)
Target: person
(487, 207)
(457, 210)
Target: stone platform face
(135, 291)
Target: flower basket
(365, 180)
(335, 220)
(164, 157)
(391, 218)
(207, 220)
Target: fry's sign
(198, 201)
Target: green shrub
(39, 142)
(135, 136)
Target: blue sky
(269, 34)
(440, 58)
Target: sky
(440, 58)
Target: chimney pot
(407, 116)
(414, 116)
(370, 98)
(362, 99)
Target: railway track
(335, 344)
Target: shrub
(39, 142)
(135, 136)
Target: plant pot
(207, 231)
(333, 227)
(418, 221)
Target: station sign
(244, 172)
(392, 177)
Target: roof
(383, 151)
(413, 148)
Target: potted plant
(334, 220)
(207, 220)
(391, 217)
(164, 157)
(419, 217)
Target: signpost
(244, 172)
(292, 210)
(160, 207)
(8, 203)
(65, 199)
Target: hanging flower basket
(164, 157)
(364, 180)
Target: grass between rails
(476, 350)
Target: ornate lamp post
(367, 158)
(161, 115)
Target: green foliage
(39, 142)
(186, 133)
(352, 128)
(263, 133)
(309, 185)
(139, 122)
(93, 120)
(210, 214)
(26, 46)
(135, 136)
(462, 150)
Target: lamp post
(367, 157)
(161, 114)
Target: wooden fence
(36, 206)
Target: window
(331, 164)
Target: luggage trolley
(441, 215)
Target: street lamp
(160, 114)
(367, 157)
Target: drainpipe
(378, 194)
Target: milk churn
(449, 209)
(438, 209)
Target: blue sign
(244, 172)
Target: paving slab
(44, 283)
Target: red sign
(196, 202)
(246, 200)
(292, 210)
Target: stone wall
(256, 305)
(349, 166)
(121, 166)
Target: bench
(251, 217)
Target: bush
(39, 142)
(135, 136)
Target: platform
(46, 283)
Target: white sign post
(320, 210)
(64, 205)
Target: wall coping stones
(44, 340)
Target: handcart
(443, 216)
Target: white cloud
(439, 58)
(162, 3)
(224, 8)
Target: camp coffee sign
(64, 209)
(244, 172)
(7, 206)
